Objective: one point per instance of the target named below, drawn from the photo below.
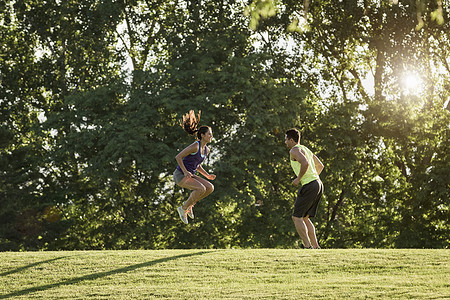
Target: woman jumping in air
(189, 162)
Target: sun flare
(411, 83)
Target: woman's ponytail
(190, 122)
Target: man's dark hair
(293, 134)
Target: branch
(360, 86)
(444, 57)
(123, 41)
(333, 215)
(379, 70)
(330, 53)
(132, 42)
(151, 38)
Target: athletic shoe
(182, 214)
(190, 212)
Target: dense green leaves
(92, 92)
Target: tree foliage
(92, 92)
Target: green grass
(226, 274)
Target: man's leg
(302, 230)
(311, 232)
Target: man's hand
(296, 181)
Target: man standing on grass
(307, 167)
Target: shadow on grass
(30, 266)
(98, 275)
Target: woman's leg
(209, 188)
(200, 189)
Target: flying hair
(190, 122)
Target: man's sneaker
(190, 212)
(182, 214)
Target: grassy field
(226, 274)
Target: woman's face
(208, 136)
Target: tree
(92, 92)
(53, 50)
(369, 136)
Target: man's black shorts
(308, 199)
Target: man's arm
(297, 155)
(319, 164)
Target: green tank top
(311, 173)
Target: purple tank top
(192, 161)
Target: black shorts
(308, 198)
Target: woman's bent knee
(201, 189)
(210, 188)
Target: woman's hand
(211, 176)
